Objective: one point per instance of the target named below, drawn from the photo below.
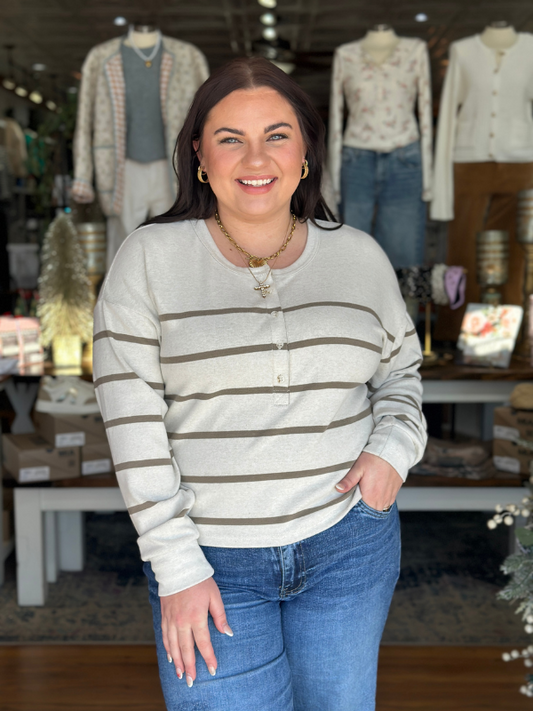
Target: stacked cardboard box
(30, 458)
(84, 431)
(64, 447)
(513, 440)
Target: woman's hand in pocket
(184, 623)
(378, 480)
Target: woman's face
(252, 135)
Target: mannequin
(381, 164)
(484, 152)
(499, 35)
(143, 85)
(144, 36)
(147, 183)
(380, 42)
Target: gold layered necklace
(254, 261)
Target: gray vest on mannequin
(145, 131)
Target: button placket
(495, 93)
(280, 351)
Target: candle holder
(524, 235)
(428, 355)
(90, 225)
(492, 264)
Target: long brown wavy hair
(196, 200)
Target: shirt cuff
(82, 191)
(178, 568)
(395, 447)
(438, 212)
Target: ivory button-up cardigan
(485, 112)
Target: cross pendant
(264, 288)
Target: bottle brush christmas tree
(66, 303)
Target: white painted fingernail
(212, 671)
(340, 487)
(169, 658)
(179, 673)
(228, 631)
(189, 681)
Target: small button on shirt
(485, 112)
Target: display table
(49, 520)
(49, 530)
(21, 388)
(453, 383)
(442, 384)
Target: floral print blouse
(381, 100)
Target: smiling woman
(257, 374)
(305, 128)
(254, 168)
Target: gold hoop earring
(305, 168)
(200, 173)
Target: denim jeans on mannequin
(382, 195)
(307, 620)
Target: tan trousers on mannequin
(485, 199)
(147, 192)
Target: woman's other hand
(184, 622)
(378, 480)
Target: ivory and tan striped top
(230, 416)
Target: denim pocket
(366, 509)
(410, 155)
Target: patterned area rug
(446, 593)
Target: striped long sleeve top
(230, 416)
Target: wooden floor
(113, 678)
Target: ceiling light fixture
(269, 33)
(36, 97)
(51, 105)
(268, 3)
(39, 67)
(8, 84)
(120, 21)
(269, 19)
(421, 17)
(21, 91)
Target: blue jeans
(307, 621)
(381, 194)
